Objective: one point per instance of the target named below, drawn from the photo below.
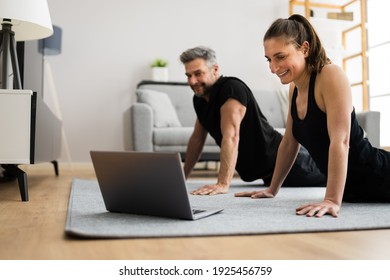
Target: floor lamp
(52, 46)
(21, 20)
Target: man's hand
(218, 188)
(266, 193)
(319, 209)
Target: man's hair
(199, 52)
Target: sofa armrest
(142, 127)
(370, 122)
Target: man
(227, 110)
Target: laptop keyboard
(197, 211)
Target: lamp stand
(7, 49)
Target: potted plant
(160, 70)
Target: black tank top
(366, 164)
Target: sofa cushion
(270, 104)
(172, 136)
(181, 96)
(175, 139)
(175, 136)
(163, 110)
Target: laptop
(145, 183)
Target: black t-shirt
(259, 142)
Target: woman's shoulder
(330, 69)
(332, 86)
(331, 73)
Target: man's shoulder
(233, 82)
(232, 87)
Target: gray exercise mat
(88, 218)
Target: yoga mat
(87, 216)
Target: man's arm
(232, 113)
(194, 147)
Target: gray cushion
(164, 113)
(181, 98)
(270, 105)
(175, 136)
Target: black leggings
(303, 173)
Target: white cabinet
(15, 124)
(30, 133)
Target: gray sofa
(163, 118)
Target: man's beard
(204, 92)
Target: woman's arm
(287, 153)
(333, 96)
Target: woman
(321, 118)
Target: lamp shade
(30, 19)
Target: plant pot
(160, 74)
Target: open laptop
(145, 183)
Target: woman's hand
(266, 193)
(319, 209)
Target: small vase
(160, 74)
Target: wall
(107, 47)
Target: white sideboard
(30, 133)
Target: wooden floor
(35, 230)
